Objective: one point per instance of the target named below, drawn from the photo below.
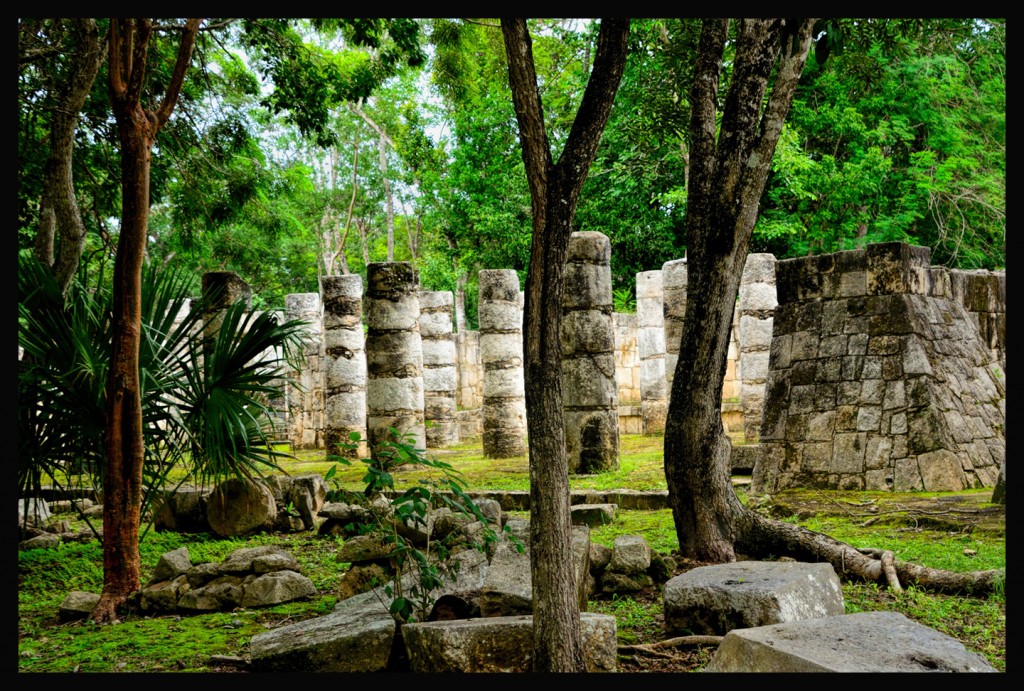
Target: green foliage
(411, 599)
(206, 401)
(623, 300)
(899, 137)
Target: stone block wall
(589, 390)
(983, 295)
(650, 313)
(877, 380)
(469, 393)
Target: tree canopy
(270, 162)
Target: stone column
(344, 365)
(394, 354)
(590, 398)
(221, 289)
(757, 307)
(673, 276)
(651, 346)
(306, 392)
(439, 378)
(501, 352)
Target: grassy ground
(958, 532)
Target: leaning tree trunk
(727, 179)
(122, 470)
(554, 192)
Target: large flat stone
(499, 644)
(357, 638)
(715, 599)
(863, 642)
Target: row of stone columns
(406, 378)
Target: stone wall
(757, 301)
(651, 350)
(344, 361)
(878, 379)
(469, 394)
(439, 373)
(627, 360)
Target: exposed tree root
(656, 649)
(760, 536)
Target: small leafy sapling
(433, 565)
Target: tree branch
(596, 106)
(188, 42)
(526, 99)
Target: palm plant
(206, 399)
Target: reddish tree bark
(122, 472)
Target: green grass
(185, 643)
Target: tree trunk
(727, 178)
(122, 471)
(554, 191)
(59, 213)
(388, 197)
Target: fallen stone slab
(718, 598)
(357, 638)
(499, 644)
(862, 642)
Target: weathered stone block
(861, 642)
(717, 599)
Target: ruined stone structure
(501, 352)
(469, 393)
(627, 373)
(344, 365)
(589, 391)
(757, 301)
(878, 378)
(673, 278)
(439, 374)
(651, 350)
(983, 295)
(394, 354)
(674, 290)
(305, 394)
(732, 404)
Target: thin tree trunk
(363, 244)
(554, 191)
(460, 288)
(348, 215)
(388, 198)
(122, 471)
